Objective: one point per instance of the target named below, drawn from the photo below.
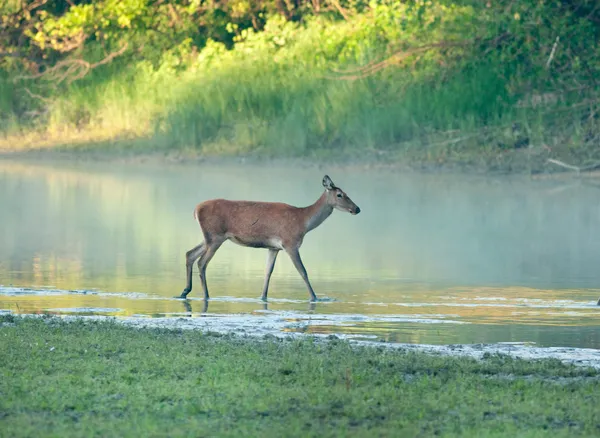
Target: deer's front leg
(190, 257)
(295, 256)
(271, 257)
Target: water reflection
(189, 306)
(468, 248)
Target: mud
(285, 326)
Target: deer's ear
(327, 183)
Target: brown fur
(255, 222)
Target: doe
(271, 225)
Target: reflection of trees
(542, 336)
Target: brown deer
(271, 225)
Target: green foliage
(92, 378)
(301, 76)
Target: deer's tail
(197, 210)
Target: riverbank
(82, 378)
(519, 162)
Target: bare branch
(70, 44)
(552, 52)
(112, 56)
(35, 5)
(565, 165)
(572, 167)
(70, 70)
(341, 10)
(396, 58)
(37, 96)
(175, 18)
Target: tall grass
(290, 111)
(278, 92)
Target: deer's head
(337, 198)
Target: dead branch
(35, 5)
(110, 57)
(455, 140)
(552, 52)
(590, 167)
(396, 58)
(70, 44)
(37, 96)
(342, 11)
(70, 70)
(175, 18)
(575, 168)
(316, 4)
(76, 68)
(565, 165)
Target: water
(430, 259)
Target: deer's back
(249, 221)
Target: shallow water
(430, 259)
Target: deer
(274, 226)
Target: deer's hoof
(183, 295)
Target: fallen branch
(454, 140)
(572, 167)
(565, 165)
(590, 167)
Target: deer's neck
(317, 213)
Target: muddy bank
(516, 162)
(256, 327)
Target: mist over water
(430, 258)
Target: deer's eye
(339, 195)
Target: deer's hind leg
(271, 257)
(190, 257)
(211, 249)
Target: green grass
(102, 379)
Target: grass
(103, 379)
